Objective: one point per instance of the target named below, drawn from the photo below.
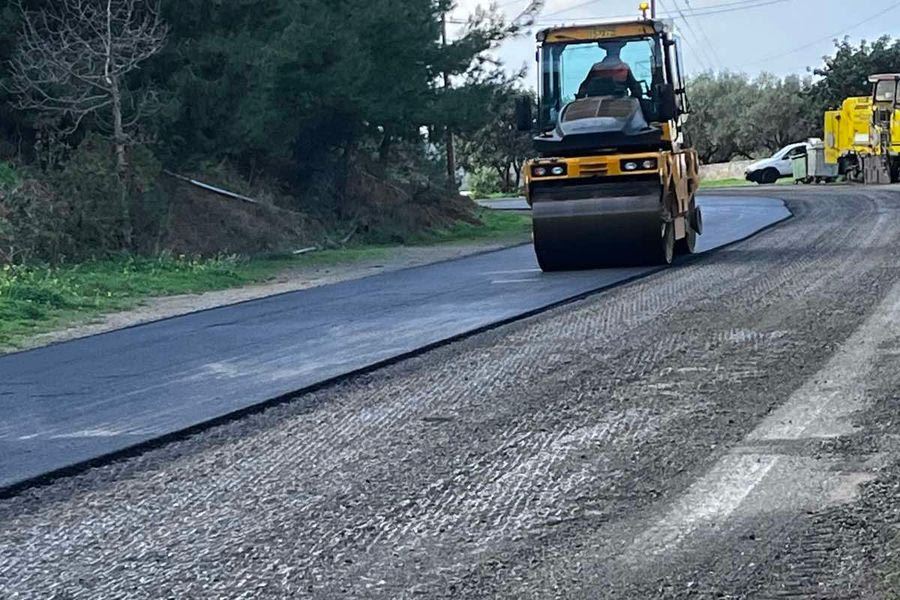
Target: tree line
(734, 116)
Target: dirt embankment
(201, 222)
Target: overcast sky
(778, 36)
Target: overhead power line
(698, 11)
(711, 60)
(698, 54)
(893, 6)
(704, 35)
(719, 9)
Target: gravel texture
(726, 428)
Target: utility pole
(451, 155)
(652, 9)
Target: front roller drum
(621, 226)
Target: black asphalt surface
(505, 203)
(73, 402)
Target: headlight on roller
(544, 171)
(645, 164)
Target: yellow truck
(863, 137)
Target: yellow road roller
(614, 182)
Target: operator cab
(886, 100)
(885, 89)
(613, 85)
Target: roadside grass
(737, 182)
(495, 224)
(730, 182)
(39, 298)
(493, 195)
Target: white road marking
(511, 272)
(818, 409)
(515, 280)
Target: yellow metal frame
(591, 166)
(678, 172)
(597, 32)
(678, 169)
(849, 131)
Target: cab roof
(883, 76)
(604, 31)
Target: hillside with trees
(335, 115)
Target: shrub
(34, 224)
(8, 178)
(484, 182)
(82, 210)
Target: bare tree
(72, 60)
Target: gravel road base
(726, 428)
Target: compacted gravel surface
(726, 428)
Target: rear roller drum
(550, 261)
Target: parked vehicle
(770, 170)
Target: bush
(8, 178)
(33, 224)
(484, 182)
(82, 210)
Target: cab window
(886, 91)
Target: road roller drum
(601, 225)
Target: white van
(769, 170)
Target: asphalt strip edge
(14, 489)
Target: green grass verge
(494, 195)
(37, 299)
(735, 182)
(495, 224)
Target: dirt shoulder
(300, 278)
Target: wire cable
(710, 60)
(705, 36)
(699, 11)
(822, 39)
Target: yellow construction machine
(613, 183)
(847, 135)
(863, 137)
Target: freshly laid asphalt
(77, 401)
